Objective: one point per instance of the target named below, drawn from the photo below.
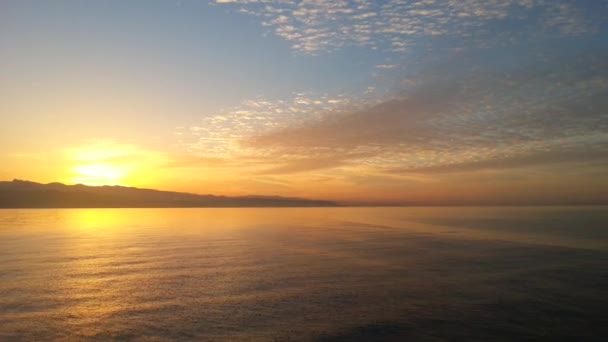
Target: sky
(421, 102)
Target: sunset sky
(396, 101)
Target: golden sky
(414, 103)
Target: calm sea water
(328, 274)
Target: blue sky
(363, 95)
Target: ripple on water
(332, 274)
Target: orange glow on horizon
(99, 174)
(107, 163)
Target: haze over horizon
(417, 101)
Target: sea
(305, 274)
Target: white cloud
(314, 26)
(386, 66)
(553, 110)
(222, 134)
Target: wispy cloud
(488, 94)
(314, 26)
(223, 133)
(553, 109)
(386, 66)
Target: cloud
(314, 26)
(290, 163)
(462, 107)
(222, 134)
(569, 154)
(386, 66)
(546, 110)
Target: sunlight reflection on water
(303, 274)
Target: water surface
(329, 274)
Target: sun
(105, 162)
(100, 163)
(99, 174)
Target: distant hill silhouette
(26, 194)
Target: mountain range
(26, 194)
